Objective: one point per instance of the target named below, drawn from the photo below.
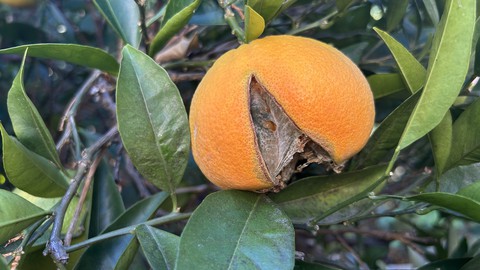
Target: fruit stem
(175, 208)
(232, 22)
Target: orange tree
(96, 170)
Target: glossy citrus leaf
(309, 198)
(16, 214)
(76, 54)
(395, 13)
(471, 191)
(412, 71)
(441, 140)
(432, 10)
(159, 247)
(29, 171)
(177, 15)
(254, 24)
(466, 137)
(451, 48)
(27, 122)
(383, 85)
(152, 120)
(123, 16)
(118, 252)
(267, 9)
(237, 230)
(456, 178)
(455, 202)
(476, 48)
(3, 264)
(386, 136)
(343, 4)
(107, 204)
(49, 204)
(208, 12)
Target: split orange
(271, 107)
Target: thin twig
(180, 77)
(143, 25)
(239, 11)
(137, 179)
(55, 245)
(405, 238)
(71, 110)
(232, 22)
(344, 243)
(128, 230)
(194, 189)
(81, 200)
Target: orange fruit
(271, 107)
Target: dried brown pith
(283, 148)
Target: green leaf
(451, 48)
(16, 214)
(457, 178)
(254, 24)
(49, 204)
(29, 171)
(455, 202)
(152, 120)
(472, 264)
(343, 4)
(118, 253)
(466, 137)
(445, 264)
(441, 140)
(395, 13)
(267, 9)
(386, 136)
(159, 247)
(27, 122)
(107, 202)
(383, 85)
(123, 16)
(77, 54)
(237, 230)
(208, 13)
(476, 48)
(432, 10)
(471, 191)
(412, 71)
(177, 15)
(309, 198)
(3, 264)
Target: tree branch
(55, 245)
(143, 25)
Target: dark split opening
(283, 148)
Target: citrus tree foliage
(96, 170)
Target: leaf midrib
(428, 78)
(150, 121)
(243, 232)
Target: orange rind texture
(319, 88)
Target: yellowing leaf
(254, 24)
